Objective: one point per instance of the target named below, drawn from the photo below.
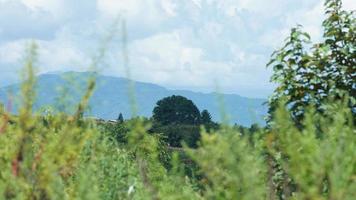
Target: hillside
(111, 97)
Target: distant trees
(207, 122)
(176, 110)
(179, 120)
(120, 119)
(205, 117)
(254, 128)
(308, 76)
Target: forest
(306, 149)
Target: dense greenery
(179, 121)
(175, 135)
(309, 74)
(307, 152)
(176, 110)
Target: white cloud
(114, 7)
(138, 11)
(11, 52)
(349, 4)
(165, 59)
(55, 7)
(176, 43)
(197, 3)
(169, 7)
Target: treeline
(177, 121)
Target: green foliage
(205, 117)
(175, 135)
(207, 122)
(178, 120)
(55, 156)
(41, 152)
(308, 76)
(120, 119)
(176, 110)
(321, 165)
(116, 132)
(248, 131)
(51, 155)
(80, 161)
(254, 128)
(234, 169)
(157, 182)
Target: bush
(176, 135)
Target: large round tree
(176, 110)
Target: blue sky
(179, 44)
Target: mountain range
(111, 97)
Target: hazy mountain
(111, 97)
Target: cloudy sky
(180, 44)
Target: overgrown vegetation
(306, 152)
(310, 74)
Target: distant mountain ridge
(111, 97)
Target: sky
(198, 45)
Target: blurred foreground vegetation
(307, 151)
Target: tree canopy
(205, 117)
(307, 74)
(120, 119)
(176, 110)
